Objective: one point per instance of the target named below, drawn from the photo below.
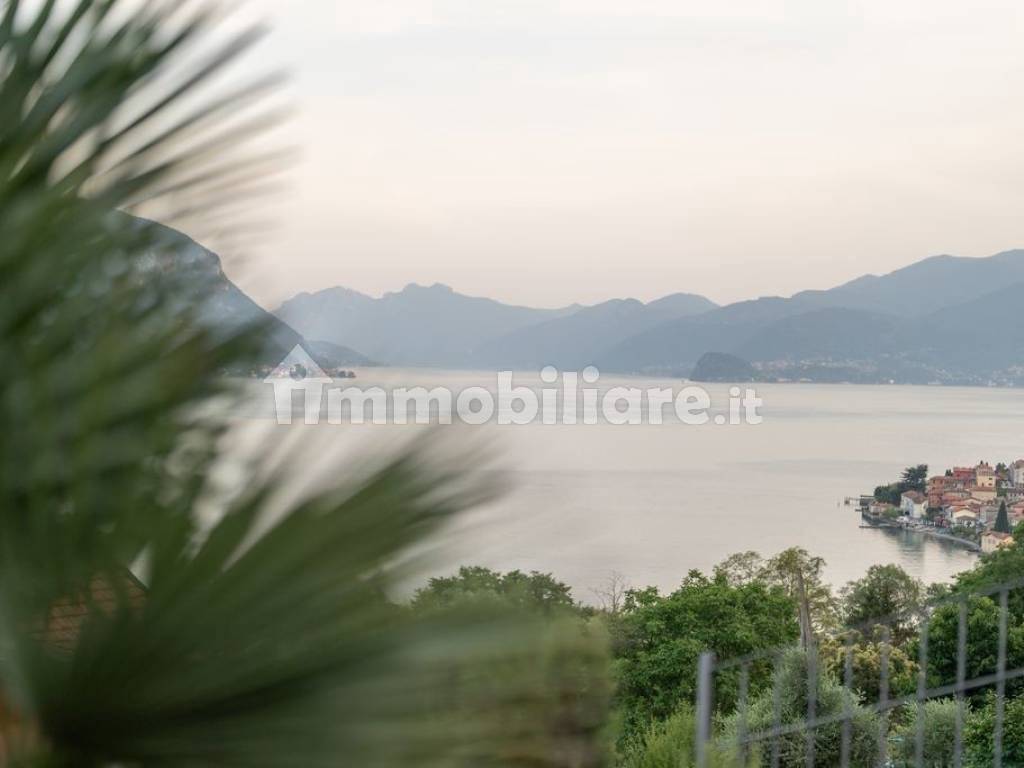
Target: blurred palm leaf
(250, 645)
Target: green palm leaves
(251, 645)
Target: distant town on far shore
(977, 506)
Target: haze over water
(652, 502)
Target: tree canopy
(790, 570)
(886, 593)
(476, 584)
(662, 637)
(912, 479)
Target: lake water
(652, 502)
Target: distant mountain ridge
(950, 280)
(436, 326)
(577, 340)
(944, 319)
(417, 326)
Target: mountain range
(435, 326)
(944, 319)
(417, 326)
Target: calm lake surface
(652, 502)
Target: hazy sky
(550, 151)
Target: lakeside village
(977, 507)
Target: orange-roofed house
(963, 475)
(59, 633)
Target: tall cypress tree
(1002, 519)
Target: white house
(1017, 472)
(964, 516)
(913, 504)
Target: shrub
(669, 743)
(791, 684)
(979, 734)
(939, 716)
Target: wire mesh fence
(858, 698)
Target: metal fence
(746, 742)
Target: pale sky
(550, 151)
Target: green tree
(979, 734)
(662, 638)
(740, 568)
(1003, 566)
(545, 707)
(475, 584)
(791, 684)
(787, 570)
(551, 702)
(888, 494)
(867, 654)
(886, 593)
(795, 566)
(669, 743)
(982, 625)
(938, 718)
(914, 478)
(1002, 524)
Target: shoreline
(922, 529)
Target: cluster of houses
(966, 498)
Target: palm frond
(250, 643)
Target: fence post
(705, 683)
(997, 737)
(961, 677)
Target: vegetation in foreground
(748, 604)
(273, 644)
(262, 636)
